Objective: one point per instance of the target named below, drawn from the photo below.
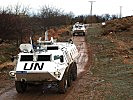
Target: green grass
(109, 66)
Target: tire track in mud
(37, 93)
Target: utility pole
(91, 10)
(120, 11)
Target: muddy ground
(76, 91)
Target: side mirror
(61, 58)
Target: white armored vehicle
(78, 29)
(47, 62)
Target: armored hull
(48, 62)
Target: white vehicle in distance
(78, 29)
(47, 62)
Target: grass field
(110, 54)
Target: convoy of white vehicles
(78, 29)
(46, 62)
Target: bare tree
(17, 24)
(17, 9)
(52, 16)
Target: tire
(20, 86)
(83, 33)
(74, 71)
(63, 84)
(73, 34)
(69, 78)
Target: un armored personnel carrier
(78, 29)
(45, 62)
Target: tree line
(17, 24)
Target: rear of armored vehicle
(78, 29)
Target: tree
(114, 16)
(13, 23)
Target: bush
(118, 25)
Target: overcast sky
(78, 7)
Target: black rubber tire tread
(70, 76)
(83, 33)
(74, 71)
(73, 34)
(62, 86)
(20, 87)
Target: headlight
(57, 73)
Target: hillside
(112, 70)
(118, 25)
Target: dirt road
(50, 92)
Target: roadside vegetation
(118, 25)
(113, 61)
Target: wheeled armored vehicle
(45, 62)
(78, 29)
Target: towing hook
(23, 80)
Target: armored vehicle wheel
(73, 34)
(20, 86)
(63, 84)
(69, 77)
(83, 33)
(74, 71)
